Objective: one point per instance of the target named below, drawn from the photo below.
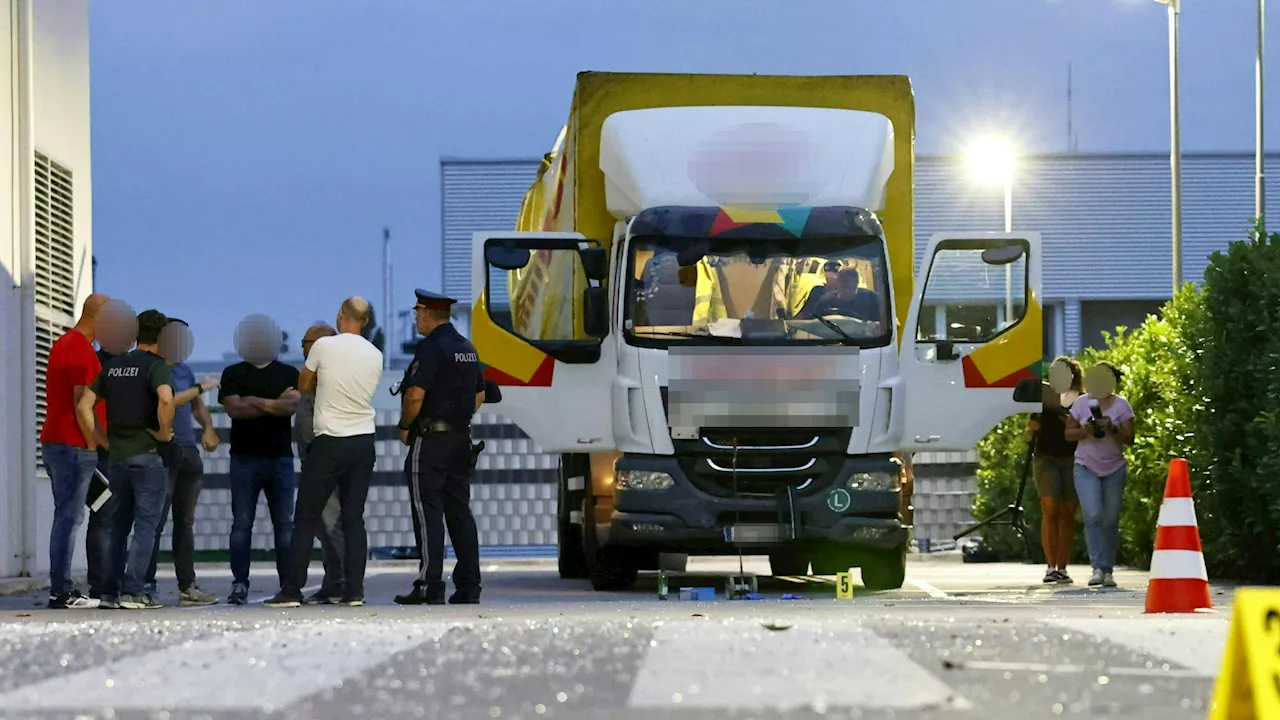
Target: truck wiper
(838, 330)
(681, 334)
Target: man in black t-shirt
(260, 395)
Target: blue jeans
(140, 485)
(1101, 499)
(98, 540)
(251, 476)
(70, 470)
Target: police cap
(434, 301)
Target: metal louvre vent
(55, 286)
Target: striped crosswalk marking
(743, 665)
(1195, 643)
(266, 669)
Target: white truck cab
(729, 370)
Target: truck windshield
(757, 292)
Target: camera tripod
(1013, 516)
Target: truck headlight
(874, 481)
(642, 480)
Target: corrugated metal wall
(477, 195)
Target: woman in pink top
(1101, 424)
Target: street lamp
(991, 161)
(1175, 143)
(1260, 185)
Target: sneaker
(139, 602)
(1050, 576)
(239, 595)
(1108, 580)
(351, 602)
(282, 600)
(1096, 578)
(195, 596)
(321, 597)
(72, 601)
(1064, 578)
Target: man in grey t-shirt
(331, 540)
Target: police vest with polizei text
(131, 403)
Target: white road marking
(1195, 641)
(284, 663)
(932, 591)
(741, 665)
(1078, 669)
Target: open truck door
(974, 331)
(541, 323)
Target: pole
(1008, 228)
(389, 316)
(1175, 147)
(1260, 184)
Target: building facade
(46, 248)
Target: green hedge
(1204, 381)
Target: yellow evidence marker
(1248, 687)
(844, 586)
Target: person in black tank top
(1053, 464)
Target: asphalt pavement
(958, 641)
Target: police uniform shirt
(447, 367)
(129, 385)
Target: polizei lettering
(465, 357)
(122, 372)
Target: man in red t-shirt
(68, 457)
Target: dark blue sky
(247, 153)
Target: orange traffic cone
(1179, 582)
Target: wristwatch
(403, 427)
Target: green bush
(1204, 382)
(1237, 481)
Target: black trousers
(344, 464)
(97, 540)
(439, 469)
(186, 475)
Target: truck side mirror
(505, 257)
(595, 263)
(595, 312)
(1029, 390)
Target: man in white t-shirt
(343, 371)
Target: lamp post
(1175, 142)
(1260, 186)
(991, 161)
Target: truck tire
(571, 552)
(610, 568)
(615, 568)
(832, 557)
(884, 569)
(789, 562)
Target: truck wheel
(885, 569)
(615, 568)
(571, 553)
(789, 562)
(610, 567)
(832, 558)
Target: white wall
(51, 116)
(11, 428)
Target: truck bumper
(683, 518)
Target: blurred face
(116, 327)
(1060, 377)
(258, 339)
(176, 343)
(420, 318)
(1099, 382)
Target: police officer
(442, 390)
(138, 389)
